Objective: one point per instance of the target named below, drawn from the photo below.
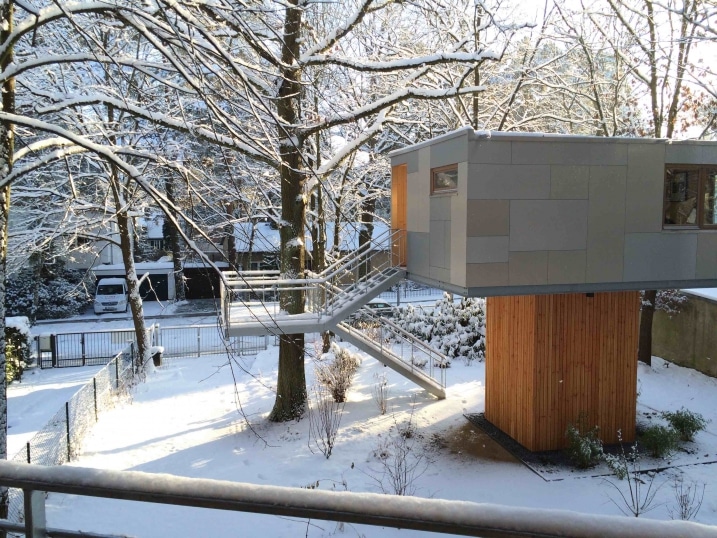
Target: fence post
(29, 454)
(199, 342)
(53, 349)
(67, 419)
(82, 345)
(94, 390)
(117, 372)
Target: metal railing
(415, 353)
(99, 347)
(407, 289)
(435, 515)
(256, 293)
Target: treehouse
(560, 233)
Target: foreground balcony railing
(451, 517)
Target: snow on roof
(139, 267)
(267, 239)
(111, 281)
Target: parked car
(377, 307)
(111, 295)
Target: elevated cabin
(560, 232)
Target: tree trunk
(291, 384)
(368, 208)
(7, 153)
(647, 312)
(173, 236)
(230, 208)
(127, 248)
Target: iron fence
(407, 290)
(60, 440)
(95, 348)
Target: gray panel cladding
(606, 223)
(660, 256)
(548, 225)
(505, 181)
(646, 165)
(490, 152)
(438, 250)
(706, 256)
(417, 255)
(451, 151)
(553, 214)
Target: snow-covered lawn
(186, 420)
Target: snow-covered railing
(434, 515)
(327, 292)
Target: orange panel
(399, 192)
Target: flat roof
(557, 137)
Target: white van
(111, 295)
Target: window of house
(444, 179)
(690, 196)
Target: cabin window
(690, 196)
(444, 179)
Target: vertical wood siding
(399, 186)
(551, 359)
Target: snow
(19, 323)
(207, 418)
(707, 293)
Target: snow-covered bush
(335, 371)
(455, 329)
(584, 445)
(17, 346)
(61, 294)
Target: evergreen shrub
(687, 423)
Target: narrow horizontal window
(444, 179)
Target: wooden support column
(551, 359)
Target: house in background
(560, 233)
(261, 242)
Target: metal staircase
(397, 349)
(250, 306)
(250, 299)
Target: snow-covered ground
(186, 421)
(191, 419)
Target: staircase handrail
(436, 360)
(336, 269)
(351, 257)
(404, 334)
(322, 289)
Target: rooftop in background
(266, 236)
